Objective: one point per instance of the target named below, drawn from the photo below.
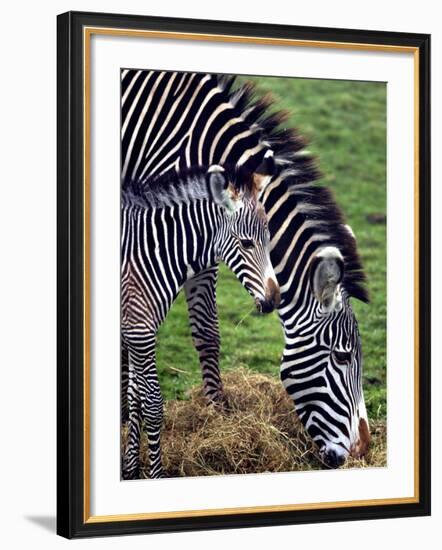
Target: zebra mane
(288, 146)
(167, 189)
(318, 205)
(299, 172)
(186, 186)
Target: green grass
(345, 123)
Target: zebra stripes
(193, 121)
(317, 267)
(172, 121)
(172, 229)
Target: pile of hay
(259, 433)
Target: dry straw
(259, 433)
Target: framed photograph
(243, 274)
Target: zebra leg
(131, 454)
(124, 387)
(203, 317)
(152, 414)
(145, 407)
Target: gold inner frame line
(87, 33)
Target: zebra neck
(302, 340)
(176, 242)
(196, 242)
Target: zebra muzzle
(272, 297)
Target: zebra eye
(247, 243)
(342, 357)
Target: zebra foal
(172, 229)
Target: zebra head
(243, 243)
(322, 363)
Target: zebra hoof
(158, 474)
(132, 474)
(221, 403)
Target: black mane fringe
(329, 219)
(302, 174)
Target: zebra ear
(263, 174)
(326, 272)
(222, 191)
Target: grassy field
(346, 125)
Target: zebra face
(243, 244)
(246, 253)
(322, 365)
(346, 431)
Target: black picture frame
(71, 519)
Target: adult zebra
(213, 216)
(175, 120)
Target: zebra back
(173, 121)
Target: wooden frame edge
(70, 523)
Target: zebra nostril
(333, 459)
(267, 306)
